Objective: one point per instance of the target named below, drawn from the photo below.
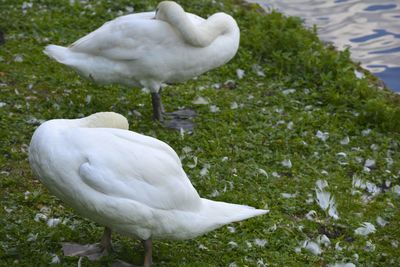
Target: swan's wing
(130, 37)
(124, 38)
(124, 164)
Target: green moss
(244, 147)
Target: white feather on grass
(313, 247)
(325, 200)
(366, 229)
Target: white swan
(130, 183)
(147, 49)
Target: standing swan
(150, 48)
(130, 183)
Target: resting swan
(150, 48)
(130, 183)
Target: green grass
(268, 127)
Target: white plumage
(150, 48)
(128, 182)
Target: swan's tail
(220, 213)
(56, 52)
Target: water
(371, 28)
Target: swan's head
(167, 10)
(106, 120)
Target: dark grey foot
(91, 251)
(180, 119)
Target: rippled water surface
(371, 28)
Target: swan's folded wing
(125, 38)
(139, 168)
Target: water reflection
(371, 28)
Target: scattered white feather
(287, 195)
(290, 125)
(341, 154)
(27, 194)
(369, 246)
(88, 99)
(8, 210)
(231, 229)
(381, 222)
(52, 222)
(311, 215)
(2, 104)
(372, 188)
(240, 73)
(342, 264)
(260, 242)
(276, 175)
(224, 159)
(214, 108)
(288, 91)
(258, 70)
(366, 229)
(18, 58)
(200, 101)
(55, 259)
(232, 244)
(40, 217)
(396, 189)
(273, 228)
(286, 163)
(310, 200)
(202, 247)
(216, 86)
(327, 202)
(394, 243)
(250, 96)
(261, 263)
(324, 240)
(359, 75)
(374, 147)
(191, 166)
(366, 132)
(187, 149)
(232, 264)
(234, 105)
(322, 135)
(324, 172)
(313, 247)
(129, 9)
(204, 170)
(358, 183)
(345, 141)
(338, 247)
(215, 193)
(370, 163)
(263, 172)
(32, 237)
(321, 184)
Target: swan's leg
(157, 106)
(105, 242)
(148, 257)
(92, 251)
(148, 252)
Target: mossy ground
(260, 123)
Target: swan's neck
(204, 34)
(200, 35)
